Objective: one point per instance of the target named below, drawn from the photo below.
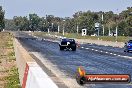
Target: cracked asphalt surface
(94, 62)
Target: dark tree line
(81, 19)
(2, 21)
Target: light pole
(98, 31)
(102, 23)
(109, 31)
(52, 26)
(116, 26)
(77, 24)
(103, 29)
(48, 27)
(116, 29)
(43, 26)
(58, 27)
(116, 32)
(63, 27)
(77, 29)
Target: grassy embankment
(73, 35)
(9, 77)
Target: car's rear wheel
(61, 48)
(73, 48)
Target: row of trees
(81, 19)
(2, 22)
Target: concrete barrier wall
(22, 57)
(31, 74)
(37, 78)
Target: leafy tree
(2, 22)
(81, 19)
(10, 25)
(21, 23)
(34, 20)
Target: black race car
(67, 44)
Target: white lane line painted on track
(115, 54)
(92, 49)
(109, 53)
(96, 50)
(86, 48)
(126, 57)
(106, 52)
(82, 47)
(119, 55)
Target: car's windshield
(130, 41)
(64, 39)
(71, 40)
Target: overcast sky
(61, 8)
